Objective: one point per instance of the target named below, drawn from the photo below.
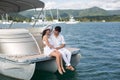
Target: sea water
(99, 45)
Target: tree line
(113, 18)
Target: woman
(50, 51)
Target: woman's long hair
(44, 32)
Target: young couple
(55, 47)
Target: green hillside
(94, 11)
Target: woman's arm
(45, 38)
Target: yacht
(72, 21)
(56, 21)
(5, 19)
(21, 49)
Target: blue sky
(82, 4)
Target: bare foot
(67, 67)
(70, 68)
(63, 70)
(60, 71)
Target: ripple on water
(98, 42)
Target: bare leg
(58, 61)
(62, 66)
(61, 61)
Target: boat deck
(33, 58)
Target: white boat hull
(48, 65)
(18, 71)
(51, 66)
(72, 22)
(26, 71)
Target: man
(59, 43)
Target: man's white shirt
(57, 41)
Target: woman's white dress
(47, 49)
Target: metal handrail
(36, 42)
(10, 26)
(37, 17)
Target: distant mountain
(94, 11)
(113, 12)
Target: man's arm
(61, 46)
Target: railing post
(35, 42)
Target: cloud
(50, 4)
(82, 4)
(111, 5)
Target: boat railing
(40, 13)
(36, 43)
(36, 32)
